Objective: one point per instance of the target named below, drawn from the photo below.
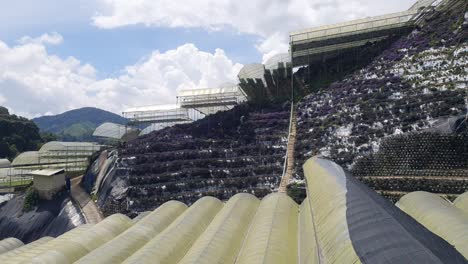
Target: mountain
(77, 124)
(17, 134)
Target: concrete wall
(47, 186)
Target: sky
(58, 55)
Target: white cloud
(271, 20)
(34, 82)
(53, 39)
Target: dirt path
(286, 179)
(88, 207)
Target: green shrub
(297, 191)
(31, 199)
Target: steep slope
(17, 134)
(77, 124)
(240, 150)
(420, 78)
(48, 218)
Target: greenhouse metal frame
(211, 100)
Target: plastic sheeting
(70, 146)
(308, 251)
(272, 237)
(112, 130)
(252, 71)
(462, 202)
(127, 243)
(353, 27)
(28, 254)
(356, 225)
(74, 244)
(26, 158)
(277, 61)
(4, 163)
(25, 248)
(8, 244)
(439, 216)
(141, 216)
(209, 91)
(172, 244)
(221, 241)
(328, 206)
(79, 245)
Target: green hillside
(78, 124)
(17, 134)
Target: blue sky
(56, 55)
(111, 50)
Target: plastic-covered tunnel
(340, 221)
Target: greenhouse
(114, 131)
(317, 43)
(70, 148)
(438, 215)
(279, 61)
(71, 156)
(344, 223)
(8, 244)
(462, 202)
(269, 82)
(156, 114)
(4, 163)
(211, 100)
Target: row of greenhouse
(340, 221)
(71, 156)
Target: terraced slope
(421, 78)
(241, 150)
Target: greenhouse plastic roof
(462, 202)
(361, 24)
(341, 221)
(69, 146)
(438, 215)
(165, 107)
(4, 163)
(277, 60)
(112, 130)
(46, 172)
(26, 158)
(209, 91)
(252, 71)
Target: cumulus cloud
(271, 20)
(53, 39)
(34, 82)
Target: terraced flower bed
(241, 150)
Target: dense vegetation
(17, 134)
(78, 124)
(393, 122)
(421, 78)
(241, 150)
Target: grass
(15, 183)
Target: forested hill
(17, 134)
(77, 124)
